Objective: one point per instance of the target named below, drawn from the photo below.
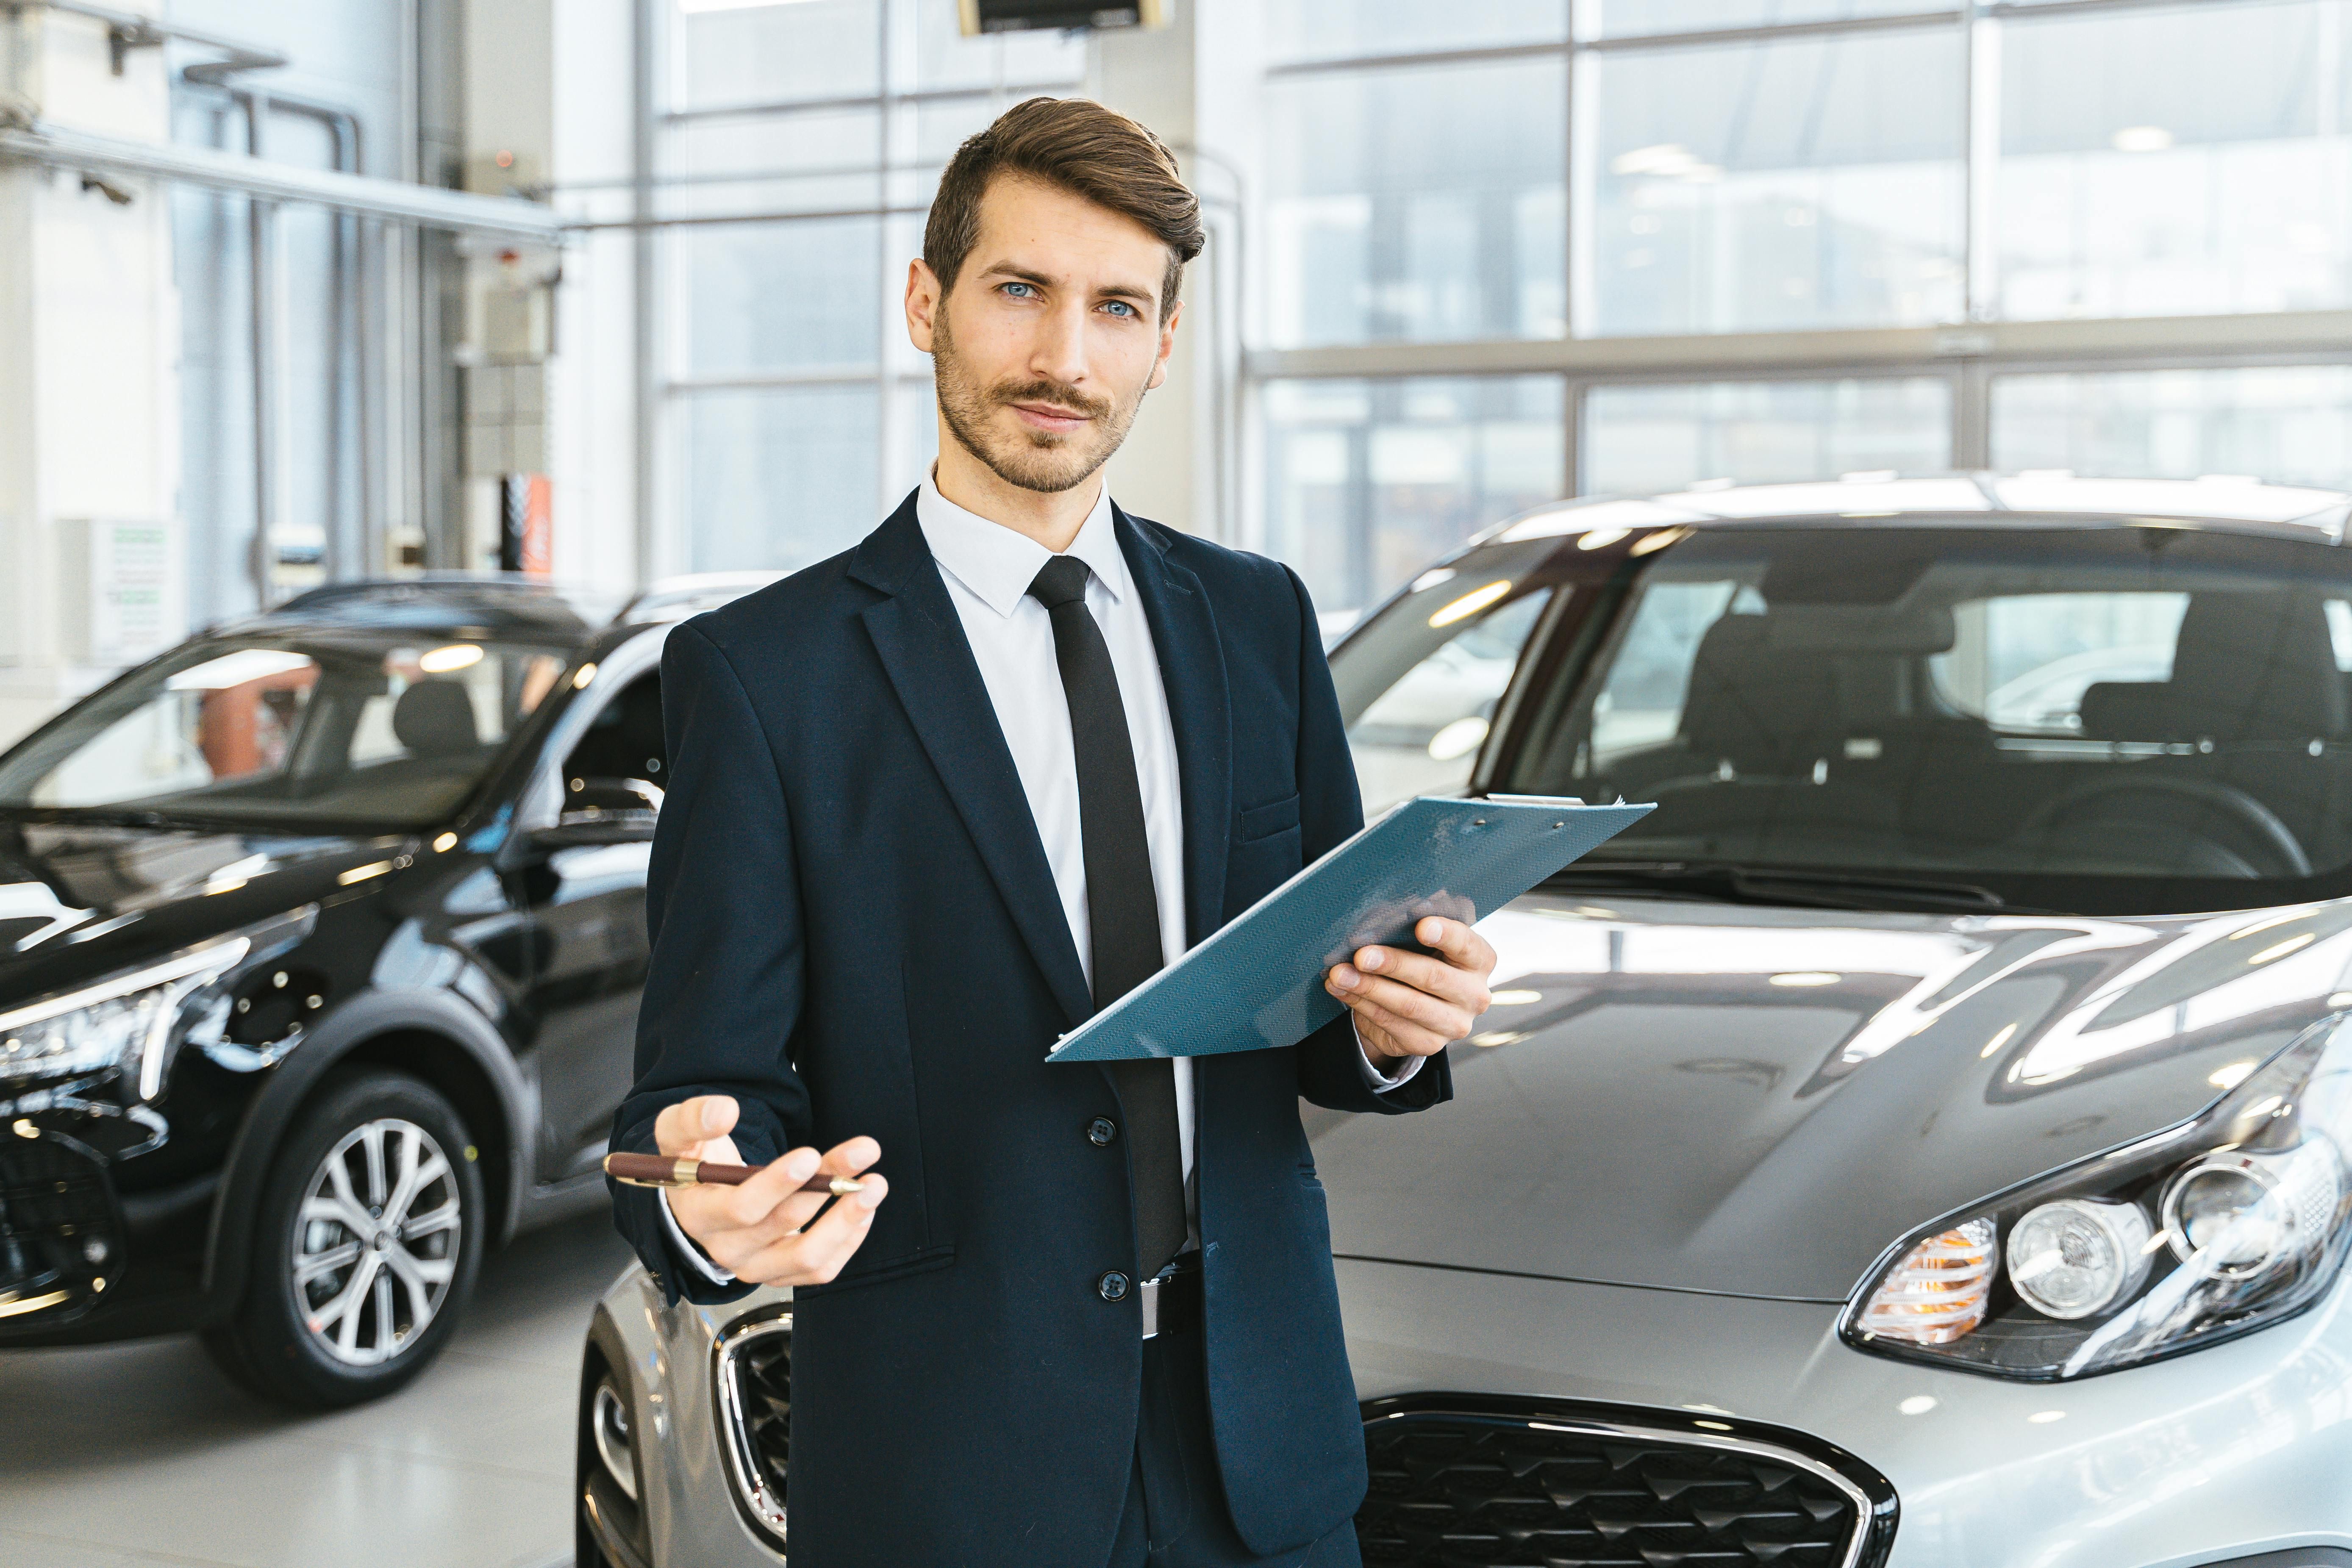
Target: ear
(923, 301)
(1167, 347)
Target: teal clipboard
(1258, 981)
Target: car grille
(754, 1379)
(61, 1230)
(1459, 1482)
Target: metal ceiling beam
(1887, 350)
(427, 206)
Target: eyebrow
(1129, 291)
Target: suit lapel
(922, 644)
(1193, 670)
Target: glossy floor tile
(116, 1455)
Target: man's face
(1052, 335)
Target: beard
(1045, 461)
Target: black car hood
(1760, 1101)
(80, 899)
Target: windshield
(372, 728)
(2114, 720)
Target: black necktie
(1122, 908)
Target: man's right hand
(756, 1231)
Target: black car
(320, 943)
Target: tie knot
(1062, 580)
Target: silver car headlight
(2222, 1226)
(129, 1020)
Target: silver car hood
(1759, 1101)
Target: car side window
(623, 742)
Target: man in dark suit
(931, 804)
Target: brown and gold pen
(663, 1170)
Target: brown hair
(1088, 150)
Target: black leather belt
(1171, 1303)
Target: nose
(1059, 350)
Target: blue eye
(1028, 289)
(1120, 305)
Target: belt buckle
(1148, 1293)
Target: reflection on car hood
(1759, 1101)
(80, 899)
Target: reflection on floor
(141, 1454)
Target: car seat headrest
(434, 718)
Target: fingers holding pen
(771, 1231)
(816, 1253)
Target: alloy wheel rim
(376, 1242)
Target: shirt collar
(998, 564)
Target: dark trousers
(1175, 1515)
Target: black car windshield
(389, 728)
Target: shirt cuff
(684, 1248)
(1375, 1079)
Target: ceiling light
(2142, 139)
(1806, 977)
(1664, 158)
(1600, 537)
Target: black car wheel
(370, 1237)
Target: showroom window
(1760, 240)
(1370, 480)
(2195, 161)
(1642, 439)
(1811, 181)
(2290, 422)
(797, 158)
(1422, 204)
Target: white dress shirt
(988, 568)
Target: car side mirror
(605, 811)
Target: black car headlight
(129, 1020)
(2221, 1226)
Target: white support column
(89, 406)
(547, 86)
(1168, 470)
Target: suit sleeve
(724, 985)
(1331, 1066)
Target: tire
(610, 1526)
(368, 1243)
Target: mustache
(1059, 394)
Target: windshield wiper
(1746, 885)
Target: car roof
(2035, 497)
(493, 606)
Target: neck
(1052, 520)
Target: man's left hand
(1411, 1004)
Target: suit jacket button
(1101, 1130)
(1112, 1287)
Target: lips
(1045, 416)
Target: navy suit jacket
(856, 931)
